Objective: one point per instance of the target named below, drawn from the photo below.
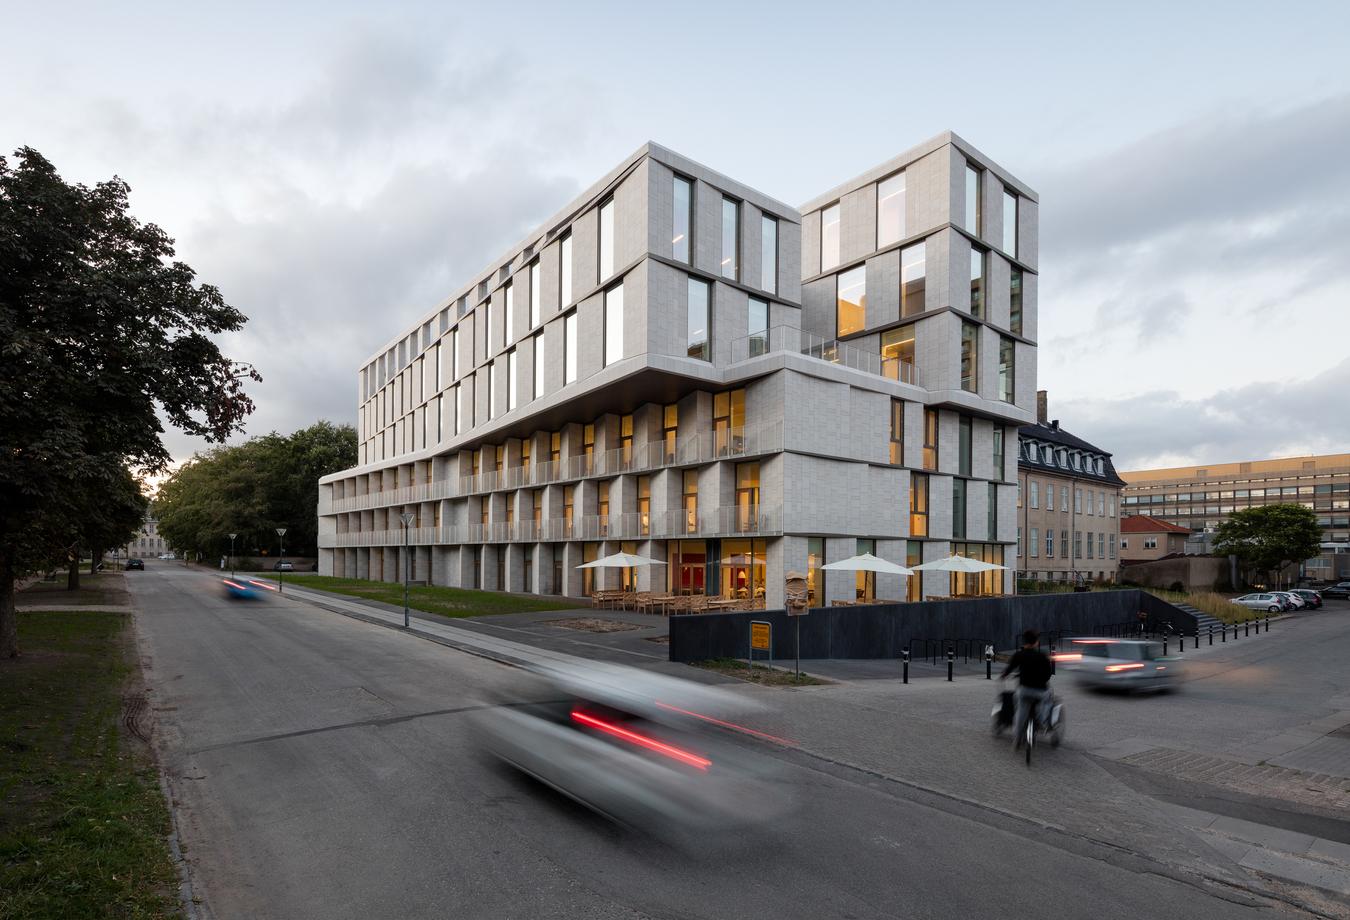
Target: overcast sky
(339, 168)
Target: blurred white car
(1264, 600)
(1293, 601)
(1126, 664)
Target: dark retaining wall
(882, 630)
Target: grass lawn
(769, 677)
(105, 588)
(447, 602)
(83, 826)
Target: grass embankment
(769, 677)
(446, 602)
(83, 826)
(1216, 605)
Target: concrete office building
(1199, 498)
(1068, 504)
(680, 366)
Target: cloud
(1261, 419)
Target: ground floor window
(865, 583)
(815, 578)
(589, 553)
(743, 569)
(688, 562)
(978, 584)
(914, 583)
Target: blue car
(245, 588)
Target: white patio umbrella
(867, 563)
(957, 563)
(620, 561)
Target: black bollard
(905, 658)
(988, 662)
(1258, 626)
(1211, 633)
(1247, 629)
(1223, 632)
(1164, 646)
(1267, 622)
(951, 659)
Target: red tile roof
(1140, 523)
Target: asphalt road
(322, 767)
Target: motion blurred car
(1265, 600)
(1124, 664)
(649, 751)
(246, 589)
(1340, 591)
(135, 564)
(1309, 596)
(167, 556)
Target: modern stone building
(1199, 498)
(680, 366)
(1068, 505)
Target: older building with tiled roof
(1143, 539)
(1068, 504)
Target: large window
(768, 254)
(747, 497)
(965, 430)
(1015, 301)
(891, 210)
(613, 324)
(570, 347)
(930, 439)
(536, 298)
(851, 310)
(731, 239)
(897, 353)
(683, 222)
(973, 214)
(977, 259)
(970, 357)
(829, 237)
(565, 271)
(918, 505)
(1010, 222)
(757, 324)
(897, 432)
(912, 283)
(959, 509)
(1007, 350)
(511, 380)
(606, 241)
(697, 325)
(539, 365)
(728, 421)
(509, 318)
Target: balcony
(792, 339)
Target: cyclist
(1033, 676)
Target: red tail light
(731, 725)
(262, 584)
(651, 744)
(1068, 656)
(233, 584)
(1125, 667)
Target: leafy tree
(253, 488)
(1268, 538)
(100, 332)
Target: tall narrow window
(918, 505)
(508, 321)
(768, 254)
(697, 321)
(970, 357)
(644, 505)
(626, 439)
(461, 420)
(683, 220)
(912, 279)
(588, 448)
(454, 354)
(959, 509)
(891, 210)
(897, 353)
(492, 390)
(757, 323)
(897, 432)
(1050, 542)
(829, 237)
(1035, 542)
(728, 421)
(602, 506)
(670, 427)
(570, 347)
(973, 214)
(613, 324)
(539, 365)
(993, 512)
(964, 437)
(606, 241)
(487, 328)
(1015, 301)
(690, 498)
(511, 380)
(536, 296)
(851, 307)
(977, 283)
(1034, 497)
(1007, 350)
(930, 439)
(565, 271)
(568, 493)
(998, 452)
(1010, 222)
(731, 239)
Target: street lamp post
(281, 572)
(232, 536)
(407, 519)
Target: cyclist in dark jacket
(1033, 676)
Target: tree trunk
(73, 576)
(9, 621)
(95, 560)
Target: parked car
(167, 556)
(1291, 600)
(284, 567)
(1266, 601)
(1125, 664)
(1310, 597)
(1341, 591)
(135, 564)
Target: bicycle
(1047, 716)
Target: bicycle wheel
(1031, 737)
(1057, 733)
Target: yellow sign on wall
(759, 636)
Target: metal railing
(793, 339)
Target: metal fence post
(905, 658)
(951, 658)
